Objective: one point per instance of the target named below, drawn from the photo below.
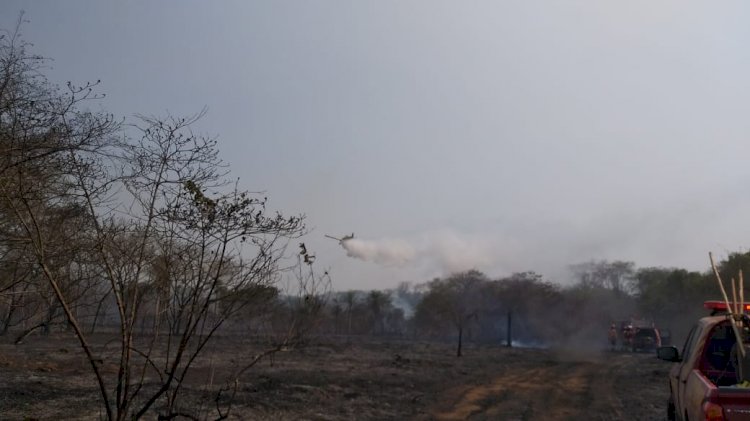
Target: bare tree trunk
(8, 316)
(509, 333)
(349, 327)
(98, 312)
(460, 340)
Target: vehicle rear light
(720, 306)
(713, 412)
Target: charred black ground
(339, 379)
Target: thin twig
(742, 293)
(726, 300)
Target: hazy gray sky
(505, 136)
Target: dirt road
(607, 386)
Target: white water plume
(383, 252)
(439, 253)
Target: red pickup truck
(703, 386)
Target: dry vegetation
(46, 378)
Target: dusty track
(563, 388)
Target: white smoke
(402, 303)
(438, 253)
(451, 252)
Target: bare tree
(350, 299)
(206, 248)
(40, 127)
(618, 276)
(134, 216)
(454, 300)
(378, 303)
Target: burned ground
(343, 379)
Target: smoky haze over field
(505, 136)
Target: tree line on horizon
(471, 307)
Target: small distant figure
(628, 334)
(612, 336)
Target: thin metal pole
(510, 334)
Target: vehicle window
(719, 348)
(689, 342)
(646, 333)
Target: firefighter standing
(612, 336)
(628, 334)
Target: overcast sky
(505, 136)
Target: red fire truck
(639, 335)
